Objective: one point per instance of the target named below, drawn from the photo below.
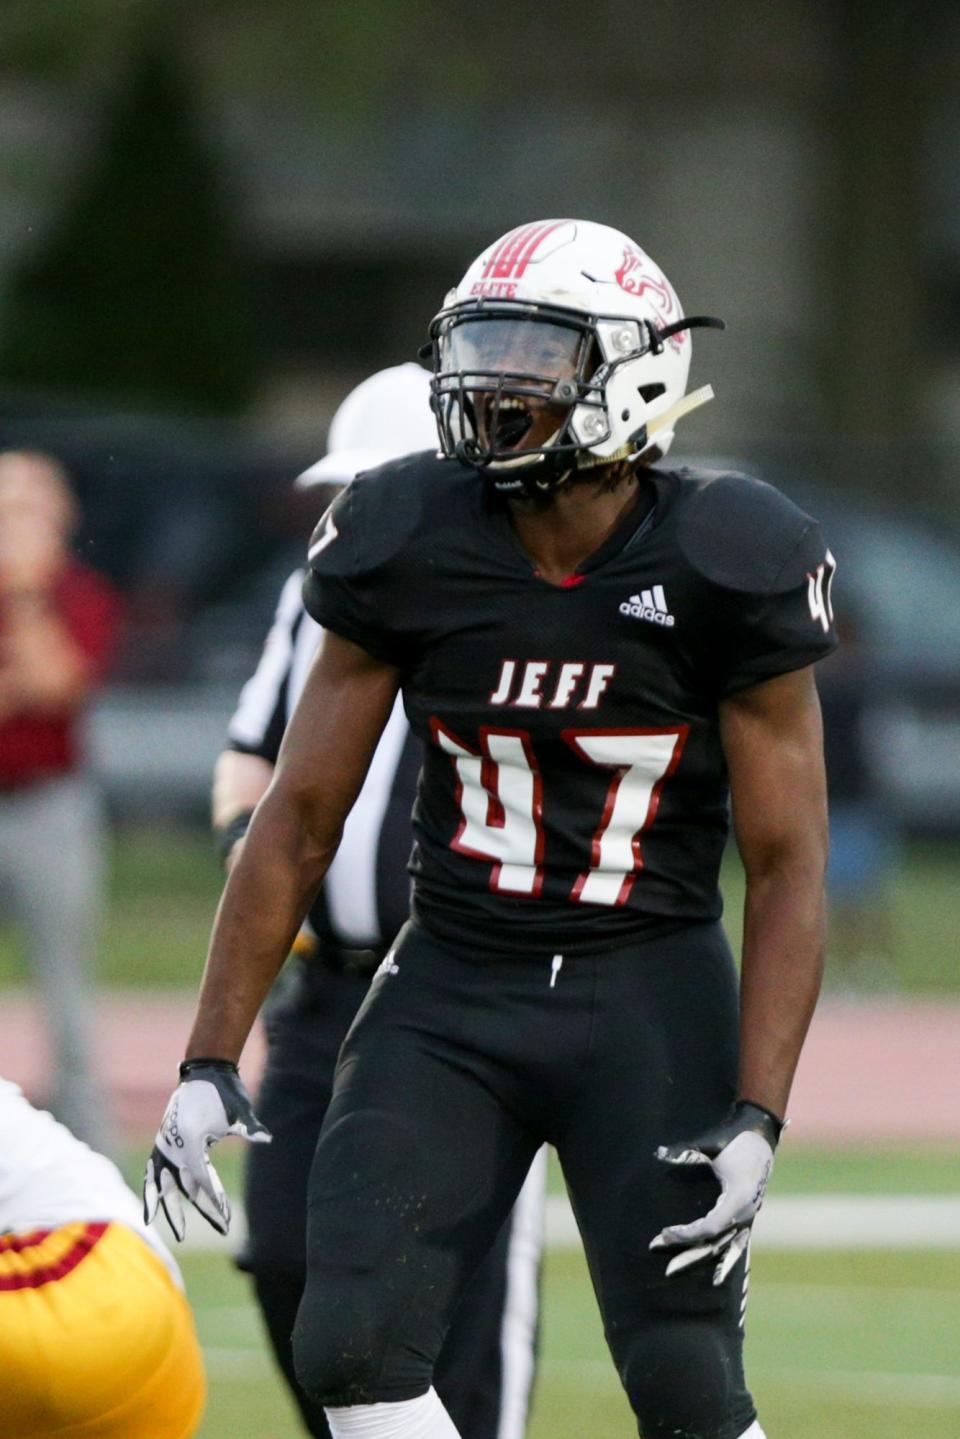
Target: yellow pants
(96, 1340)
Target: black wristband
(770, 1125)
(230, 834)
(187, 1066)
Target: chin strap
(676, 412)
(588, 461)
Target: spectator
(58, 619)
(96, 1337)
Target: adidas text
(649, 605)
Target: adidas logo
(649, 605)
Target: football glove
(740, 1153)
(208, 1103)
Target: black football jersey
(574, 791)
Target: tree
(140, 295)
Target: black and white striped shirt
(365, 897)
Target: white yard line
(866, 1386)
(847, 1221)
(826, 1221)
(794, 1221)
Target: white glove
(208, 1103)
(740, 1153)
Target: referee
(485, 1372)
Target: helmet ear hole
(593, 358)
(649, 393)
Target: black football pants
(456, 1069)
(485, 1369)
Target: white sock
(423, 1418)
(754, 1432)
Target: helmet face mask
(506, 382)
(561, 343)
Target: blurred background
(216, 217)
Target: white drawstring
(556, 964)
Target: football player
(485, 1369)
(598, 652)
(97, 1340)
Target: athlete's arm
(294, 835)
(773, 741)
(292, 838)
(774, 748)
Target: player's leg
(419, 1161)
(278, 1299)
(58, 878)
(485, 1371)
(663, 1065)
(305, 1023)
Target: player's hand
(740, 1153)
(208, 1103)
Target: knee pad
(685, 1378)
(339, 1350)
(367, 1260)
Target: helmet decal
(511, 255)
(507, 262)
(635, 280)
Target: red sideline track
(872, 1070)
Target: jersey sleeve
(791, 626)
(258, 722)
(361, 581)
(771, 576)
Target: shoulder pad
(375, 518)
(742, 534)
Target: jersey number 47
(500, 795)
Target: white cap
(386, 416)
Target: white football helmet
(563, 346)
(387, 415)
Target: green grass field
(839, 1346)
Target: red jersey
(38, 744)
